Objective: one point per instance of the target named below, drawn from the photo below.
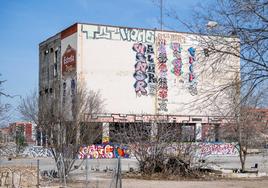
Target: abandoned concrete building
(143, 75)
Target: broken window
(56, 53)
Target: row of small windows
(46, 91)
(47, 51)
(47, 60)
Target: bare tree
(28, 107)
(229, 31)
(245, 20)
(4, 108)
(64, 134)
(247, 127)
(158, 146)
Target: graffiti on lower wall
(204, 149)
(162, 77)
(103, 151)
(119, 33)
(209, 149)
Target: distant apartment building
(143, 75)
(4, 134)
(25, 129)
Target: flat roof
(138, 28)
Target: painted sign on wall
(103, 151)
(69, 61)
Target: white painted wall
(106, 64)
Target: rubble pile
(8, 149)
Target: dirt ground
(250, 183)
(137, 183)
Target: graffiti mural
(139, 35)
(192, 79)
(204, 149)
(140, 74)
(143, 70)
(171, 37)
(152, 79)
(208, 149)
(115, 33)
(103, 151)
(177, 62)
(162, 77)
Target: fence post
(37, 173)
(87, 171)
(120, 180)
(118, 174)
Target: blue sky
(26, 23)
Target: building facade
(25, 129)
(142, 75)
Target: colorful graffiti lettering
(144, 70)
(152, 80)
(191, 51)
(177, 62)
(162, 81)
(140, 69)
(192, 88)
(115, 33)
(104, 151)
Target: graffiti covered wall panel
(140, 71)
(103, 151)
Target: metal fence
(42, 172)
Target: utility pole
(161, 15)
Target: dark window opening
(46, 52)
(206, 52)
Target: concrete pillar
(198, 132)
(154, 130)
(41, 138)
(105, 133)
